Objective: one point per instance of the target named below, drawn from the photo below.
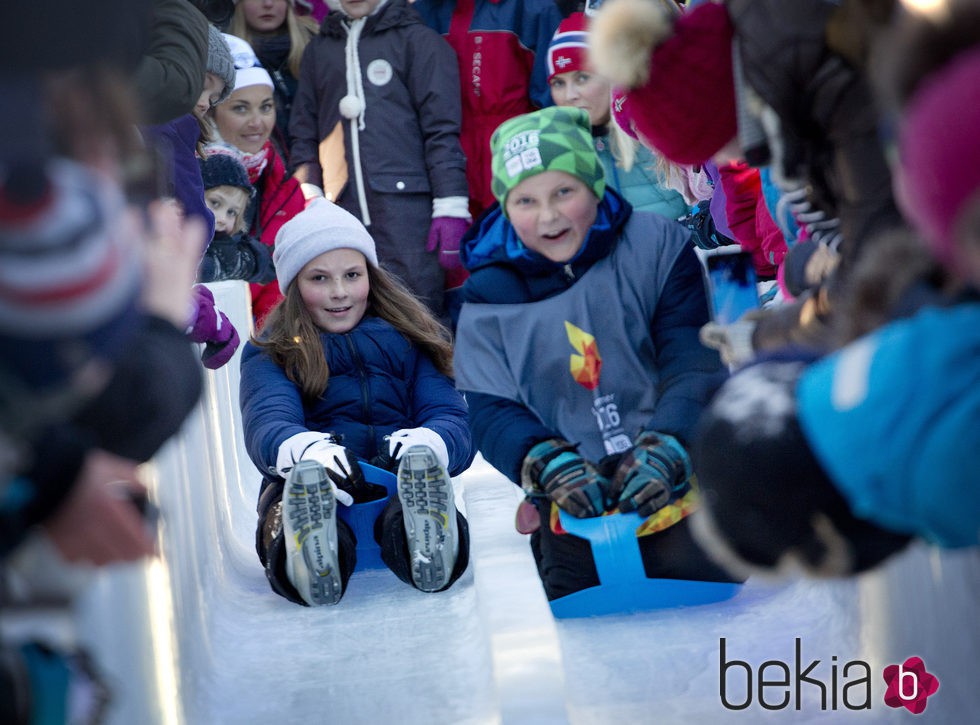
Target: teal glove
(553, 468)
(654, 472)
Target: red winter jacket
(501, 47)
(749, 218)
(280, 199)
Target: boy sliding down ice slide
(350, 366)
(578, 351)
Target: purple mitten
(205, 320)
(212, 327)
(219, 350)
(445, 235)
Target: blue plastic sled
(624, 587)
(361, 517)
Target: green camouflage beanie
(557, 138)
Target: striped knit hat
(70, 273)
(568, 50)
(557, 138)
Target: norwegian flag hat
(568, 50)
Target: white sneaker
(426, 495)
(309, 524)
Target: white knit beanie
(248, 70)
(321, 227)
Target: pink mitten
(205, 320)
(212, 327)
(445, 235)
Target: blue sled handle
(361, 517)
(615, 548)
(623, 585)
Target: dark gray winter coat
(409, 147)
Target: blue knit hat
(221, 165)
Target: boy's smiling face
(552, 213)
(227, 203)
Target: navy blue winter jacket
(379, 383)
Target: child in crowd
(178, 140)
(351, 366)
(387, 85)
(178, 143)
(232, 254)
(630, 168)
(246, 120)
(562, 266)
(766, 78)
(279, 35)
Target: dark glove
(553, 468)
(445, 235)
(704, 234)
(212, 327)
(654, 472)
(237, 257)
(348, 476)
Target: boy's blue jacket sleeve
(682, 360)
(504, 431)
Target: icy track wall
(198, 638)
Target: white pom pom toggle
(351, 106)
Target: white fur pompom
(351, 106)
(622, 37)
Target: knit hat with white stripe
(70, 273)
(569, 48)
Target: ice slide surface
(199, 638)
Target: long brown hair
(292, 339)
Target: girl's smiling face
(334, 288)
(552, 213)
(247, 117)
(264, 16)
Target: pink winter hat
(939, 153)
(680, 90)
